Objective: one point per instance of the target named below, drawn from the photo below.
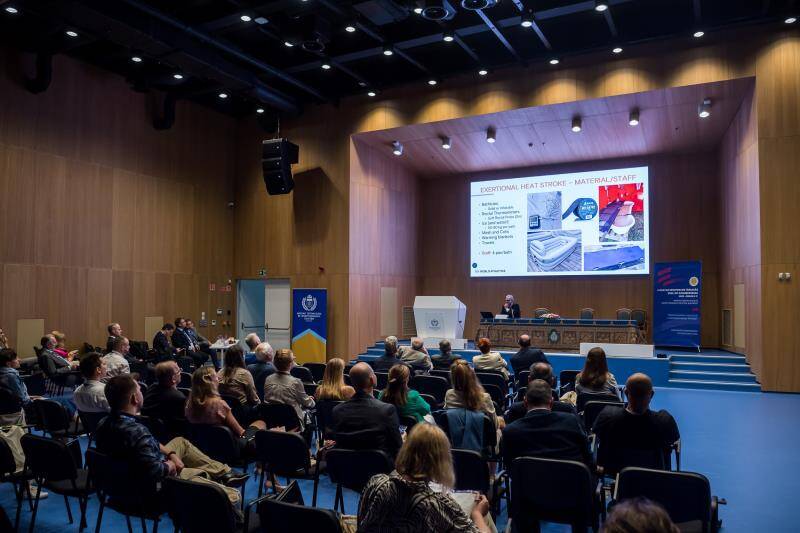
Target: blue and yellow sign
(309, 324)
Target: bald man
(364, 422)
(635, 427)
(526, 356)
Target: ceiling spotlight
(478, 5)
(698, 34)
(633, 117)
(437, 10)
(397, 148)
(526, 19)
(483, 72)
(790, 20)
(491, 135)
(136, 59)
(388, 50)
(600, 5)
(448, 37)
(418, 10)
(350, 28)
(326, 66)
(260, 110)
(223, 95)
(554, 61)
(246, 18)
(371, 93)
(446, 144)
(704, 109)
(11, 10)
(71, 33)
(288, 44)
(178, 76)
(432, 82)
(261, 21)
(576, 124)
(617, 50)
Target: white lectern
(440, 317)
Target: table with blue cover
(559, 333)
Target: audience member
(467, 392)
(163, 400)
(638, 515)
(635, 427)
(162, 343)
(3, 340)
(90, 397)
(53, 363)
(122, 437)
(544, 372)
(407, 401)
(184, 342)
(251, 341)
(114, 331)
(544, 433)
(235, 381)
(61, 346)
(282, 387)
(201, 342)
(263, 367)
(390, 356)
(333, 386)
(13, 392)
(205, 406)
(526, 356)
(417, 356)
(405, 502)
(116, 360)
(364, 422)
(595, 377)
(445, 357)
(488, 360)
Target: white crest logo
(309, 303)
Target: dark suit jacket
(166, 403)
(548, 434)
(384, 363)
(110, 343)
(523, 359)
(514, 311)
(162, 346)
(366, 423)
(518, 410)
(443, 363)
(54, 363)
(261, 371)
(182, 339)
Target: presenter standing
(510, 308)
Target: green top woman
(407, 401)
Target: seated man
(544, 372)
(122, 437)
(263, 367)
(13, 392)
(635, 427)
(114, 331)
(186, 345)
(363, 421)
(202, 342)
(445, 357)
(53, 364)
(510, 308)
(117, 360)
(417, 356)
(282, 387)
(91, 397)
(389, 357)
(526, 356)
(162, 343)
(544, 433)
(252, 341)
(163, 400)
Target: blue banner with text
(309, 324)
(676, 304)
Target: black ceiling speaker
(477, 5)
(438, 10)
(277, 158)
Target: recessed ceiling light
(326, 66)
(448, 37)
(600, 5)
(418, 10)
(288, 44)
(491, 135)
(387, 50)
(704, 109)
(350, 28)
(554, 61)
(526, 19)
(576, 124)
(432, 82)
(617, 50)
(371, 93)
(698, 34)
(260, 21)
(136, 59)
(483, 72)
(362, 84)
(11, 10)
(446, 144)
(397, 148)
(178, 76)
(633, 117)
(71, 33)
(260, 110)
(223, 95)
(790, 20)
(246, 18)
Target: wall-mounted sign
(213, 322)
(212, 287)
(219, 311)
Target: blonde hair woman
(407, 401)
(333, 386)
(404, 501)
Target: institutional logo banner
(676, 304)
(309, 324)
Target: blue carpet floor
(745, 443)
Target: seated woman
(13, 392)
(333, 386)
(467, 392)
(205, 406)
(407, 401)
(61, 346)
(282, 387)
(594, 378)
(445, 357)
(237, 382)
(404, 501)
(489, 360)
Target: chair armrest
(247, 511)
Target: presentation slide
(577, 224)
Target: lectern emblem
(434, 323)
(553, 336)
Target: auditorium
(375, 266)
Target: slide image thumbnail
(557, 251)
(605, 257)
(621, 213)
(544, 210)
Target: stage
(708, 369)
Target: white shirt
(91, 397)
(116, 365)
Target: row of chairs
(587, 313)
